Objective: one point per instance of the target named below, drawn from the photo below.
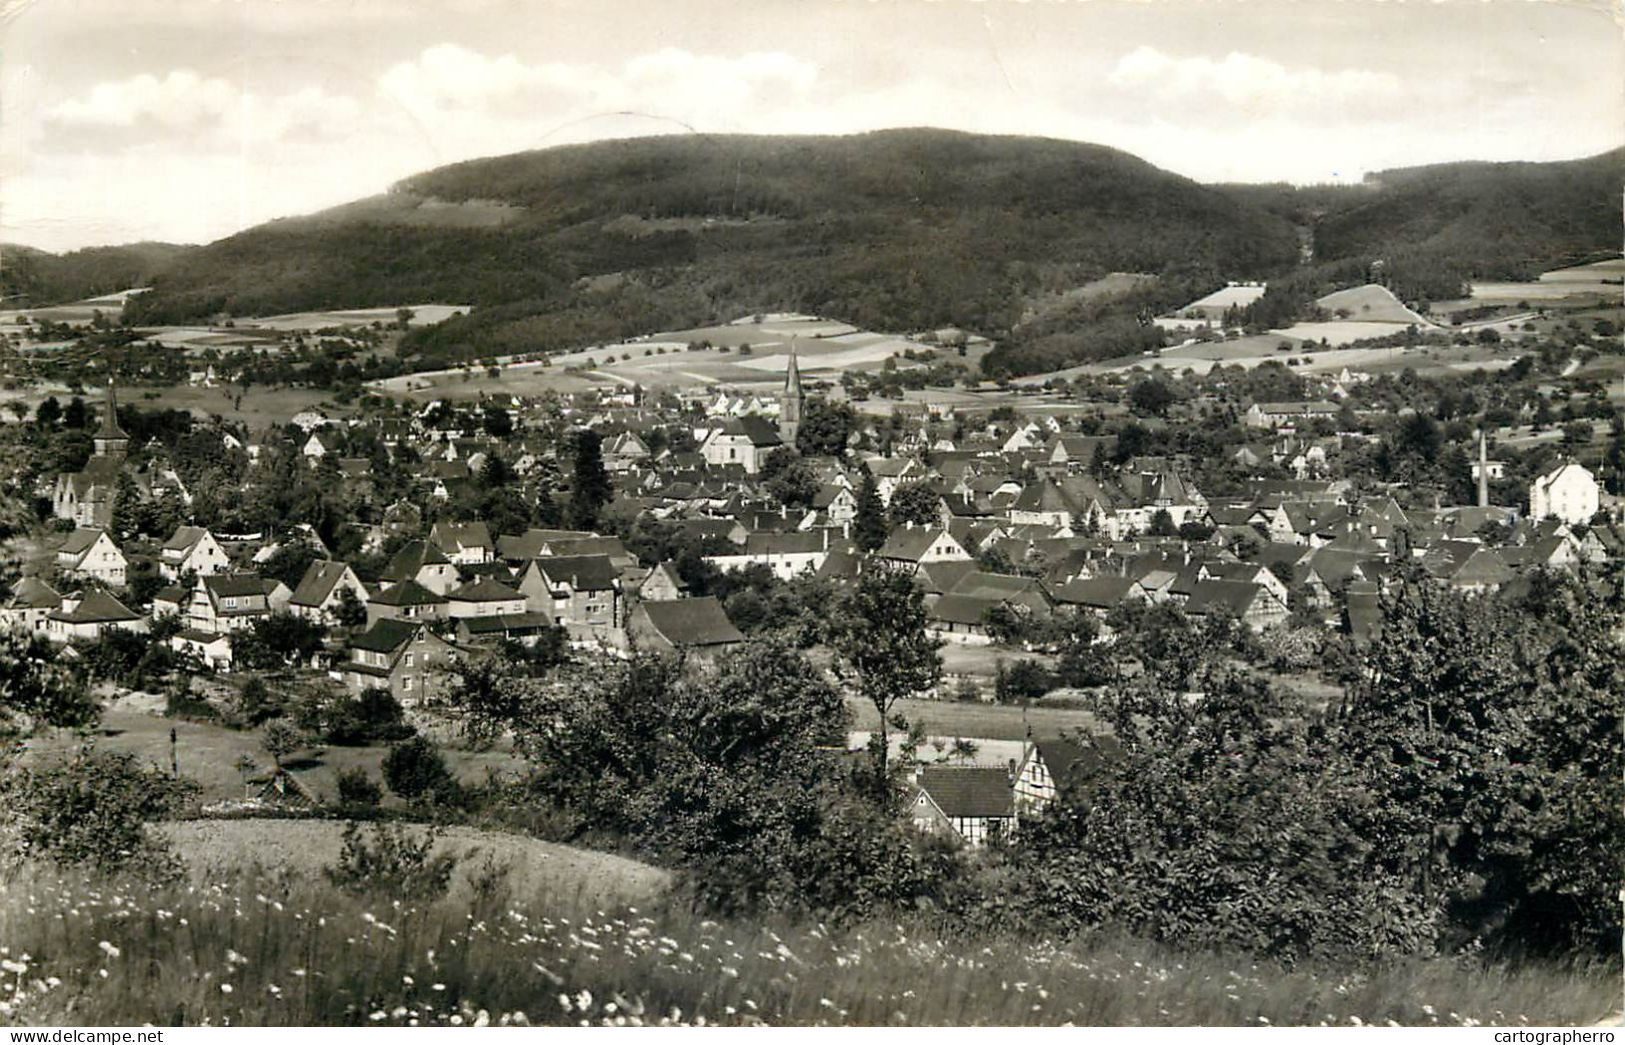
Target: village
(693, 512)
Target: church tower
(791, 402)
(110, 440)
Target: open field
(1544, 292)
(227, 850)
(105, 954)
(977, 721)
(1371, 304)
(209, 753)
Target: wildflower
(108, 949)
(482, 1019)
(299, 972)
(408, 981)
(456, 1020)
(1356, 1021)
(437, 986)
(584, 1000)
(225, 988)
(564, 1002)
(379, 1016)
(1428, 1010)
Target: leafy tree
(277, 640)
(589, 489)
(915, 503)
(281, 738)
(881, 644)
(825, 428)
(1151, 398)
(48, 413)
(38, 691)
(415, 770)
(1162, 524)
(789, 478)
(94, 809)
(351, 612)
(869, 525)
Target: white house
(91, 553)
(744, 441)
(192, 550)
(1568, 492)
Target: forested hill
(895, 230)
(37, 277)
(1492, 220)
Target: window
(231, 603)
(409, 657)
(406, 683)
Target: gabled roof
(236, 585)
(692, 622)
(317, 585)
(461, 535)
(1232, 596)
(386, 635)
(411, 558)
(79, 541)
(32, 593)
(1101, 593)
(96, 607)
(758, 430)
(910, 543)
(185, 538)
(580, 572)
(406, 593)
(970, 610)
(969, 791)
(528, 545)
(485, 589)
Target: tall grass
(276, 950)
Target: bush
(256, 704)
(414, 769)
(94, 810)
(391, 862)
(375, 715)
(356, 788)
(1022, 681)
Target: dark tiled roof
(969, 791)
(485, 590)
(386, 636)
(692, 622)
(581, 572)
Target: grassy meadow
(281, 949)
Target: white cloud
(186, 105)
(1254, 85)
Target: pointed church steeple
(791, 402)
(110, 440)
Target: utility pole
(174, 760)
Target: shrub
(391, 861)
(257, 705)
(94, 810)
(374, 715)
(356, 788)
(1022, 681)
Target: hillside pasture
(1371, 304)
(226, 850)
(209, 754)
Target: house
(90, 554)
(974, 803)
(575, 591)
(743, 441)
(30, 606)
(423, 563)
(465, 544)
(404, 657)
(193, 550)
(1049, 768)
(87, 615)
(697, 626)
(321, 590)
(485, 597)
(1568, 492)
(662, 584)
(405, 600)
(1252, 604)
(912, 546)
(786, 554)
(212, 650)
(226, 602)
(961, 619)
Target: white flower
(225, 988)
(108, 949)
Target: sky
(188, 120)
